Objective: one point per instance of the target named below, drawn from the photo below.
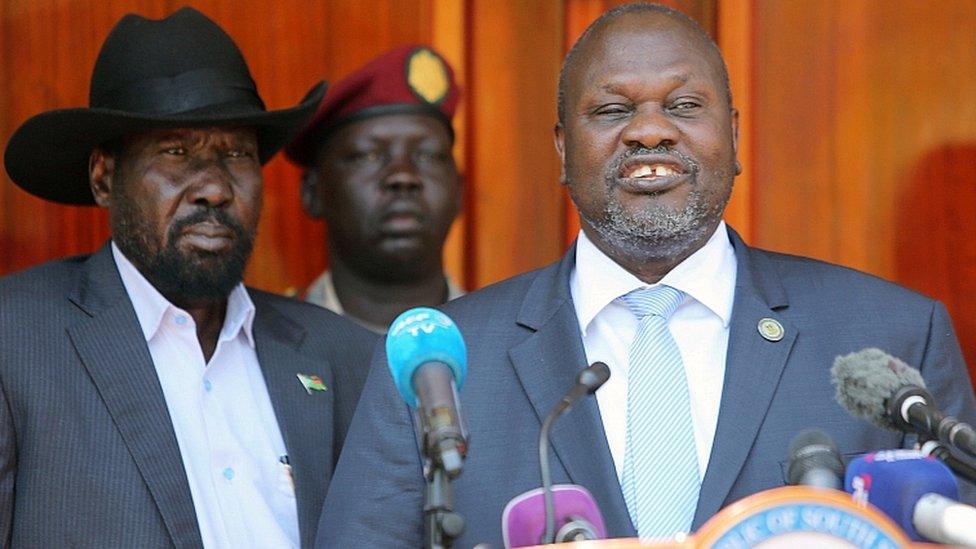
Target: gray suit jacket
(88, 456)
(524, 350)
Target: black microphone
(588, 380)
(814, 460)
(941, 452)
(878, 387)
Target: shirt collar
(240, 315)
(151, 307)
(707, 276)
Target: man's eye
(432, 156)
(239, 153)
(175, 151)
(685, 106)
(363, 157)
(612, 110)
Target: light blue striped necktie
(660, 479)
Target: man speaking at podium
(720, 353)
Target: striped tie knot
(658, 300)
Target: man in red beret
(379, 171)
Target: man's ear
(735, 140)
(560, 139)
(311, 193)
(101, 174)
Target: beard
(179, 275)
(657, 230)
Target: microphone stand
(441, 439)
(442, 462)
(443, 524)
(934, 447)
(928, 421)
(546, 475)
(588, 381)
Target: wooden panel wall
(516, 200)
(864, 125)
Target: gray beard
(656, 232)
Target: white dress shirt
(232, 449)
(700, 327)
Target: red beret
(408, 79)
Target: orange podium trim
(828, 515)
(734, 516)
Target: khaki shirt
(322, 293)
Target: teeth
(643, 171)
(657, 171)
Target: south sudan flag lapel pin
(312, 383)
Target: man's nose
(402, 175)
(212, 185)
(650, 127)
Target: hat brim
(48, 154)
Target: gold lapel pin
(771, 329)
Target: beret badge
(427, 76)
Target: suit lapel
(304, 417)
(752, 373)
(113, 350)
(546, 364)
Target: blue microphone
(904, 484)
(428, 361)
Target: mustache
(688, 164)
(212, 215)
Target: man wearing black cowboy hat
(147, 398)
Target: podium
(793, 517)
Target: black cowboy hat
(181, 71)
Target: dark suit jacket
(524, 350)
(88, 456)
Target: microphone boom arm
(563, 405)
(587, 382)
(912, 408)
